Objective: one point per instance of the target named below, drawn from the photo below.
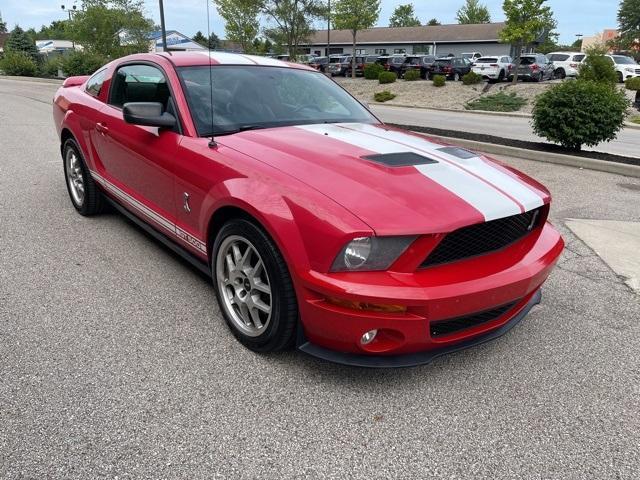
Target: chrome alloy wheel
(243, 284)
(74, 177)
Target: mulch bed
(536, 146)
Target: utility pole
(329, 30)
(162, 27)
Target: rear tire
(85, 195)
(253, 287)
(501, 76)
(620, 78)
(560, 74)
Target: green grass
(500, 102)
(635, 119)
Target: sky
(188, 16)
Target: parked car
(471, 56)
(320, 227)
(453, 68)
(422, 63)
(626, 67)
(493, 68)
(536, 67)
(343, 68)
(565, 64)
(393, 63)
(340, 67)
(319, 63)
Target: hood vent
(402, 159)
(458, 152)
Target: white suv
(566, 64)
(626, 67)
(494, 68)
(471, 56)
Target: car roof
(564, 53)
(204, 58)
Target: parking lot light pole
(162, 27)
(70, 11)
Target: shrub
(384, 96)
(387, 77)
(373, 71)
(500, 102)
(439, 81)
(81, 63)
(412, 75)
(580, 113)
(633, 84)
(49, 68)
(18, 63)
(471, 78)
(597, 68)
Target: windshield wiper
(241, 128)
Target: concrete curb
(453, 110)
(547, 157)
(478, 112)
(32, 79)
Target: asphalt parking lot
(115, 362)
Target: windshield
(622, 60)
(249, 97)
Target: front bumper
(413, 359)
(444, 293)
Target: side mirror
(148, 114)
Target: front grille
(447, 327)
(483, 238)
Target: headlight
(370, 253)
(630, 70)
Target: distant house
(56, 46)
(175, 41)
(3, 39)
(433, 40)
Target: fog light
(368, 337)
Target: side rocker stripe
(483, 197)
(151, 214)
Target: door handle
(102, 128)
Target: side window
(139, 83)
(94, 84)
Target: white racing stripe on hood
(482, 196)
(511, 186)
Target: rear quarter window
(94, 84)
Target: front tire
(83, 191)
(254, 287)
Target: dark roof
(483, 32)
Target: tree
(111, 28)
(473, 12)
(212, 43)
(19, 41)
(404, 16)
(527, 21)
(3, 25)
(293, 21)
(57, 30)
(434, 22)
(242, 20)
(629, 22)
(355, 15)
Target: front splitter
(413, 359)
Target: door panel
(138, 159)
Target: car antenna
(212, 142)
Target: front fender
(308, 228)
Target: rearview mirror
(148, 114)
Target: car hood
(395, 181)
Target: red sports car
(320, 226)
